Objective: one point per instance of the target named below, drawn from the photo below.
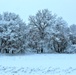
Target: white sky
(63, 8)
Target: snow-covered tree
(12, 31)
(60, 35)
(72, 35)
(39, 23)
(45, 32)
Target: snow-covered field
(38, 64)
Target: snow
(38, 64)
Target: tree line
(44, 33)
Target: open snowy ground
(38, 64)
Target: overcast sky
(63, 8)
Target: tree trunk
(41, 50)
